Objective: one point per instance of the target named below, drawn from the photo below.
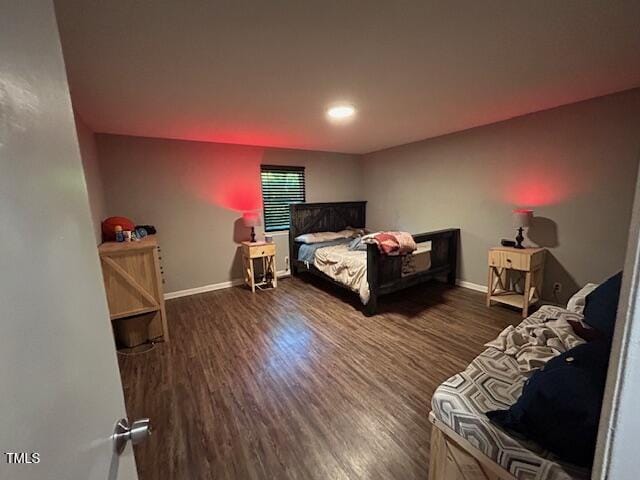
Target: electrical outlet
(557, 287)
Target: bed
(464, 439)
(367, 273)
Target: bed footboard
(384, 273)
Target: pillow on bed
(358, 231)
(324, 236)
(358, 245)
(602, 304)
(560, 404)
(577, 302)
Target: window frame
(281, 168)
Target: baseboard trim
(280, 274)
(214, 286)
(203, 289)
(471, 286)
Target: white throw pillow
(324, 236)
(578, 301)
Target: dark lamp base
(519, 239)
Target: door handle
(137, 433)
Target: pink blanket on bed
(394, 243)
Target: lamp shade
(251, 219)
(522, 218)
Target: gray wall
(93, 179)
(195, 192)
(575, 166)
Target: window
(281, 186)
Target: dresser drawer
(262, 251)
(509, 259)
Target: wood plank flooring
(296, 383)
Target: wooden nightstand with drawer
(515, 276)
(267, 252)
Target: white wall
(93, 179)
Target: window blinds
(281, 186)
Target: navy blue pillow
(560, 405)
(602, 304)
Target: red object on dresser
(109, 227)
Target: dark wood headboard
(324, 217)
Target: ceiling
(264, 72)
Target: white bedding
(349, 267)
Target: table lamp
(251, 219)
(521, 219)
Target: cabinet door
(130, 283)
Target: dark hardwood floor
(297, 383)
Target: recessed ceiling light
(341, 111)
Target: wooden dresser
(133, 283)
(515, 276)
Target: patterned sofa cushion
(492, 382)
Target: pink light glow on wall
(240, 135)
(537, 191)
(239, 197)
(227, 176)
(541, 182)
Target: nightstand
(266, 252)
(515, 276)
